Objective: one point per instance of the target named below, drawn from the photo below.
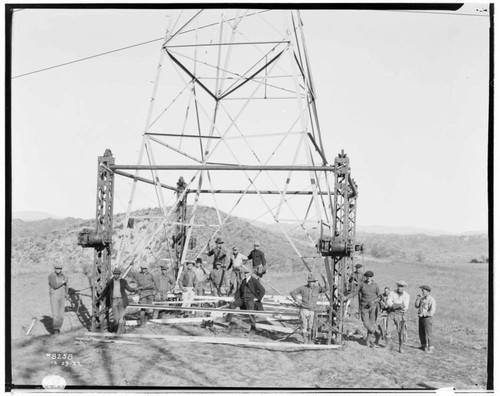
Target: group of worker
(230, 276)
(225, 278)
(373, 305)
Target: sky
(405, 94)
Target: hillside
(38, 244)
(461, 333)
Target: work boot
(377, 338)
(369, 341)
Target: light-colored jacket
(426, 306)
(395, 298)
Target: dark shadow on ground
(48, 323)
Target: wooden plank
(218, 310)
(178, 320)
(221, 340)
(31, 326)
(279, 329)
(105, 340)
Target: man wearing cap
(236, 261)
(309, 298)
(397, 305)
(187, 282)
(216, 279)
(369, 296)
(258, 260)
(164, 284)
(58, 293)
(146, 284)
(219, 253)
(116, 297)
(354, 283)
(201, 276)
(249, 296)
(426, 306)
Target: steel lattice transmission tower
(233, 111)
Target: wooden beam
(220, 310)
(220, 340)
(279, 329)
(178, 320)
(105, 340)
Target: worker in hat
(187, 283)
(146, 286)
(383, 312)
(249, 296)
(219, 253)
(426, 305)
(116, 298)
(216, 279)
(354, 283)
(369, 297)
(58, 294)
(201, 276)
(307, 302)
(164, 284)
(235, 265)
(258, 260)
(397, 305)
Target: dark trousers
(249, 305)
(425, 331)
(369, 318)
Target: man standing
(216, 278)
(368, 298)
(201, 276)
(426, 306)
(236, 261)
(164, 284)
(309, 298)
(397, 305)
(187, 282)
(219, 253)
(58, 293)
(383, 314)
(146, 284)
(116, 298)
(249, 296)
(258, 260)
(354, 283)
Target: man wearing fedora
(249, 296)
(146, 283)
(309, 294)
(187, 283)
(219, 253)
(164, 284)
(58, 293)
(116, 297)
(426, 305)
(397, 305)
(258, 260)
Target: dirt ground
(459, 359)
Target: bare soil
(459, 359)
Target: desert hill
(38, 244)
